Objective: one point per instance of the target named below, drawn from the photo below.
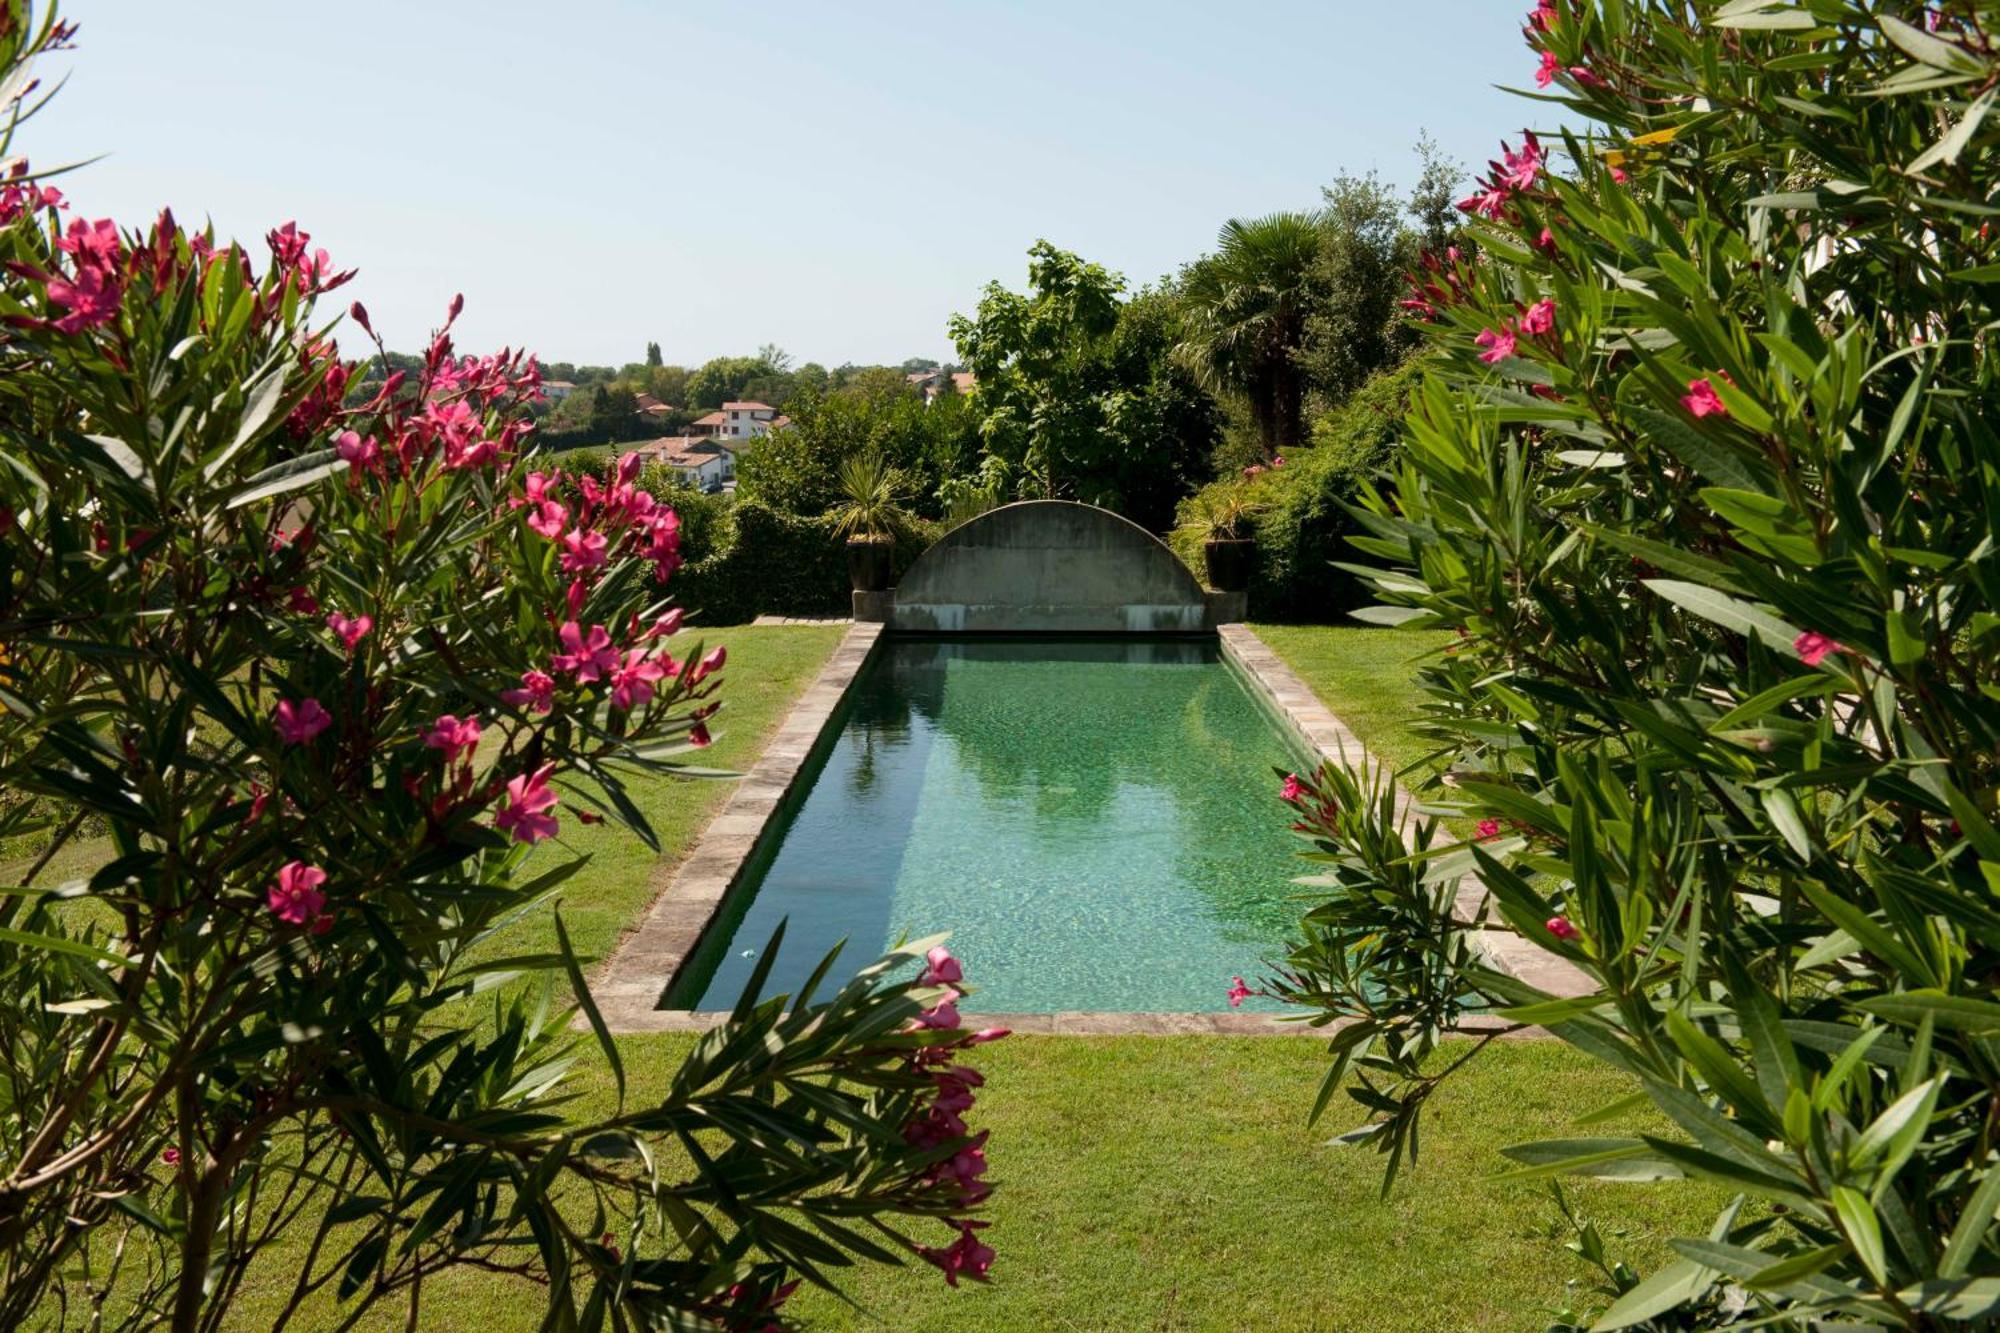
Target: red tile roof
(748, 407)
(680, 450)
(712, 419)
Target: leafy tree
(614, 413)
(1706, 474)
(721, 380)
(797, 470)
(1247, 307)
(1355, 328)
(653, 357)
(1076, 395)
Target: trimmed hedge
(1301, 523)
(768, 562)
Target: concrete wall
(1049, 565)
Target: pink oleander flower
(1238, 992)
(590, 656)
(453, 735)
(302, 602)
(1489, 829)
(1546, 242)
(1518, 170)
(93, 244)
(1814, 647)
(710, 663)
(583, 550)
(1701, 400)
(1561, 928)
(941, 969)
(171, 1156)
(295, 899)
(1545, 15)
(351, 630)
(667, 624)
(526, 811)
(355, 451)
(1545, 73)
(1499, 344)
(537, 692)
(632, 683)
(1540, 317)
(1278, 461)
(536, 488)
(984, 1035)
(943, 1015)
(92, 299)
(298, 723)
(698, 735)
(965, 1257)
(1490, 202)
(1292, 788)
(548, 519)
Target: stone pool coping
(629, 986)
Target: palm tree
(1247, 306)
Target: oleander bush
(333, 677)
(1704, 471)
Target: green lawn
(1148, 1182)
(1364, 676)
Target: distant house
(557, 390)
(711, 424)
(698, 460)
(651, 407)
(747, 420)
(962, 381)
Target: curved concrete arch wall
(1050, 565)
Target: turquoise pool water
(1095, 822)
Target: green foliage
(797, 470)
(1078, 395)
(872, 494)
(1718, 528)
(1299, 513)
(765, 561)
(333, 678)
(1246, 307)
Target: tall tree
(653, 357)
(1247, 307)
(1076, 394)
(1353, 328)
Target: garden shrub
(763, 561)
(333, 675)
(1705, 470)
(1301, 517)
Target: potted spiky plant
(868, 517)
(1228, 551)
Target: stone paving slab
(767, 621)
(1328, 736)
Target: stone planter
(1229, 561)
(869, 562)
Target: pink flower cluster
(1444, 282)
(600, 521)
(1541, 25)
(1515, 173)
(940, 1122)
(1538, 320)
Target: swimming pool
(1094, 821)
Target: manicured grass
(1172, 1183)
(1365, 675)
(1148, 1182)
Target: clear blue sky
(837, 178)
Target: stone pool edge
(628, 988)
(1326, 735)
